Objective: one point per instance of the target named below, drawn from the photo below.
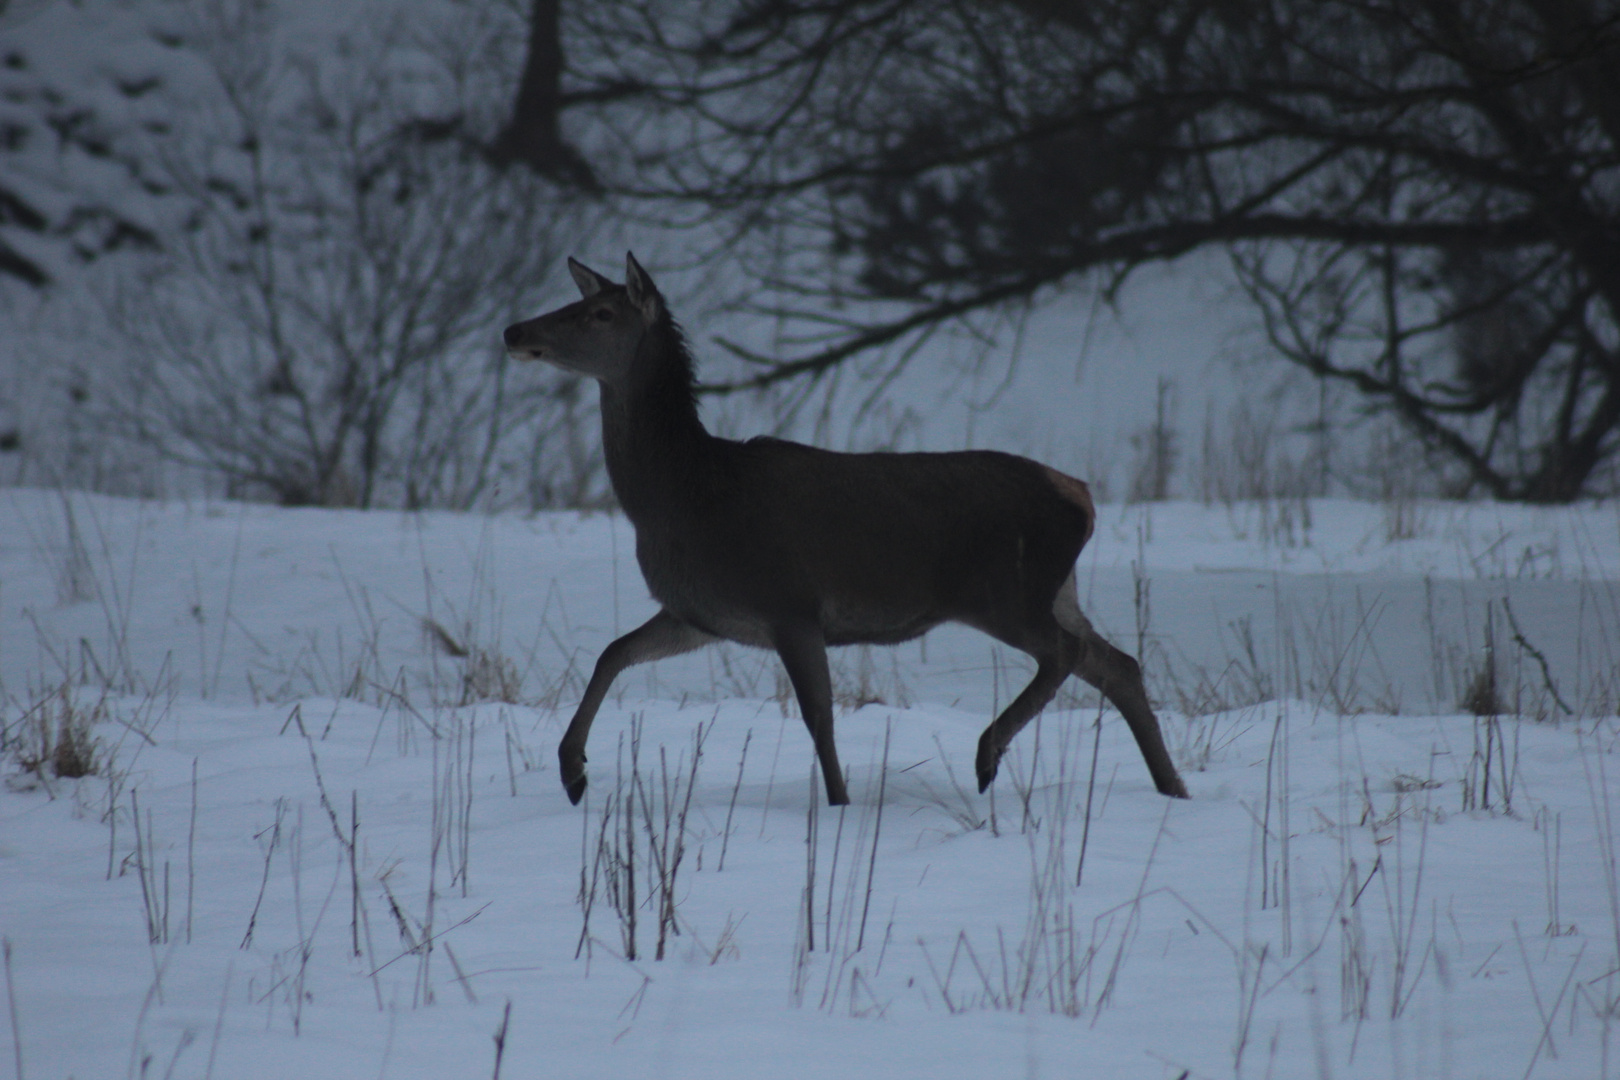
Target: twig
(191, 852)
(11, 1002)
(219, 1020)
(275, 838)
(1540, 658)
(1546, 1027)
(1135, 906)
(461, 976)
(354, 870)
(812, 840)
(725, 839)
(422, 945)
(877, 831)
(500, 1038)
(1535, 995)
(297, 717)
(1091, 787)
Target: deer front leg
(804, 653)
(660, 636)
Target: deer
(788, 547)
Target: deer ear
(589, 281)
(643, 293)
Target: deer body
(774, 531)
(788, 547)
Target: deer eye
(604, 314)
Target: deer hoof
(986, 765)
(1174, 788)
(573, 775)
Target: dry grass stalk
(56, 737)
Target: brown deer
(788, 547)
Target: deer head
(598, 335)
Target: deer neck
(657, 452)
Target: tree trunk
(532, 136)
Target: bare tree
(1423, 199)
(52, 130)
(533, 132)
(321, 329)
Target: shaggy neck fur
(658, 453)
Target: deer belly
(750, 621)
(713, 614)
(744, 598)
(860, 621)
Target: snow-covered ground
(1345, 895)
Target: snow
(1338, 828)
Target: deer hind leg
(804, 653)
(660, 636)
(1050, 672)
(1118, 677)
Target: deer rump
(792, 548)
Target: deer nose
(514, 335)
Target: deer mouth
(540, 353)
(531, 351)
(525, 344)
(517, 347)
